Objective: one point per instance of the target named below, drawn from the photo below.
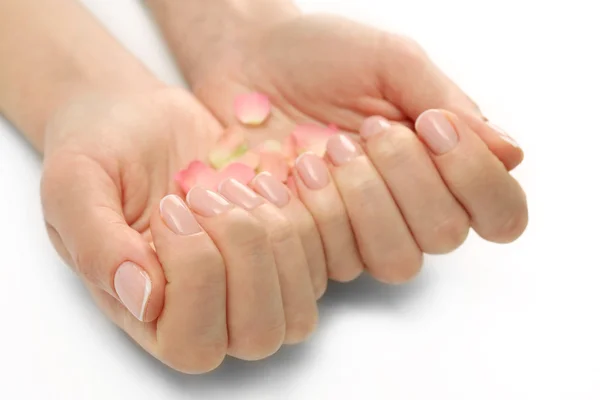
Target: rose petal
(231, 146)
(197, 173)
(238, 171)
(312, 137)
(251, 158)
(289, 149)
(275, 163)
(269, 145)
(252, 108)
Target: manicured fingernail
(503, 135)
(133, 286)
(207, 203)
(271, 189)
(374, 125)
(313, 171)
(177, 216)
(342, 149)
(240, 194)
(437, 131)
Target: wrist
(46, 65)
(213, 36)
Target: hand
(188, 286)
(395, 198)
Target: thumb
(82, 206)
(414, 84)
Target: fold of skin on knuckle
(395, 150)
(509, 227)
(193, 362)
(256, 343)
(447, 235)
(300, 327)
(398, 267)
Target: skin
(342, 72)
(245, 281)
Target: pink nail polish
(313, 171)
(271, 189)
(133, 286)
(503, 135)
(177, 216)
(436, 131)
(373, 126)
(240, 194)
(341, 149)
(207, 203)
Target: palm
(314, 69)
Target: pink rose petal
(289, 149)
(312, 137)
(238, 171)
(231, 146)
(252, 108)
(197, 173)
(275, 163)
(251, 158)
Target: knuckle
(301, 327)
(245, 230)
(511, 227)
(333, 219)
(195, 362)
(396, 149)
(447, 235)
(258, 344)
(281, 230)
(397, 268)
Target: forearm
(51, 52)
(207, 35)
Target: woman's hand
(189, 281)
(378, 204)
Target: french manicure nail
(313, 171)
(342, 149)
(271, 189)
(437, 131)
(240, 194)
(133, 286)
(503, 135)
(207, 203)
(177, 216)
(373, 126)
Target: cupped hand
(381, 203)
(188, 280)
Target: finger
(494, 200)
(255, 317)
(192, 330)
(297, 294)
(384, 240)
(82, 205)
(304, 224)
(320, 196)
(415, 84)
(436, 219)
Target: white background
(520, 321)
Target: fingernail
(503, 135)
(207, 203)
(133, 286)
(177, 216)
(374, 125)
(240, 194)
(437, 131)
(313, 171)
(271, 189)
(342, 149)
